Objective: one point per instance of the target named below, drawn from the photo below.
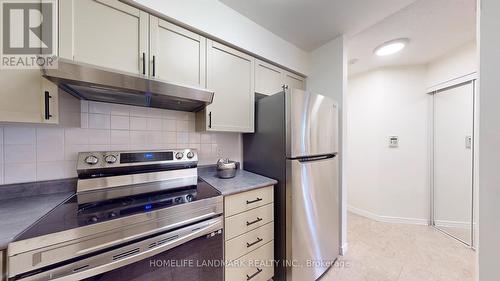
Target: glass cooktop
(73, 213)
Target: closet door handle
(144, 63)
(47, 105)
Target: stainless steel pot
(226, 168)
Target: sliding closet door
(453, 161)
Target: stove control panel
(116, 159)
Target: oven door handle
(120, 257)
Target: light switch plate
(393, 141)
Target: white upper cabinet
(177, 54)
(269, 79)
(105, 33)
(231, 76)
(27, 97)
(294, 81)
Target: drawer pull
(253, 275)
(256, 242)
(254, 222)
(254, 201)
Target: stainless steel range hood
(95, 83)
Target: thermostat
(393, 141)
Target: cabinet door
(177, 54)
(294, 81)
(105, 33)
(231, 76)
(268, 78)
(22, 97)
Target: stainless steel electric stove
(131, 210)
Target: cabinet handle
(256, 242)
(154, 66)
(210, 120)
(254, 222)
(47, 105)
(144, 63)
(254, 201)
(253, 275)
(284, 87)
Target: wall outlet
(393, 141)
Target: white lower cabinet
(2, 267)
(249, 235)
(256, 266)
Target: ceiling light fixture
(391, 47)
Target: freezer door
(315, 228)
(312, 124)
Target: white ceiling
(434, 27)
(310, 23)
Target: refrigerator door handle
(314, 158)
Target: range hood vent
(95, 83)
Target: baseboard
(387, 219)
(343, 249)
(452, 224)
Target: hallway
(397, 252)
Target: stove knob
(179, 155)
(189, 197)
(112, 214)
(110, 159)
(178, 200)
(190, 155)
(91, 160)
(93, 219)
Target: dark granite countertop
(243, 181)
(17, 214)
(21, 205)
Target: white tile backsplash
(42, 152)
(120, 137)
(120, 122)
(19, 172)
(120, 110)
(100, 107)
(99, 121)
(99, 136)
(49, 152)
(19, 135)
(19, 153)
(138, 123)
(76, 136)
(154, 124)
(169, 125)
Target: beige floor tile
(395, 252)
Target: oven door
(192, 253)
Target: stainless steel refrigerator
(296, 143)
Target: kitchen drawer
(245, 201)
(244, 244)
(249, 220)
(256, 266)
